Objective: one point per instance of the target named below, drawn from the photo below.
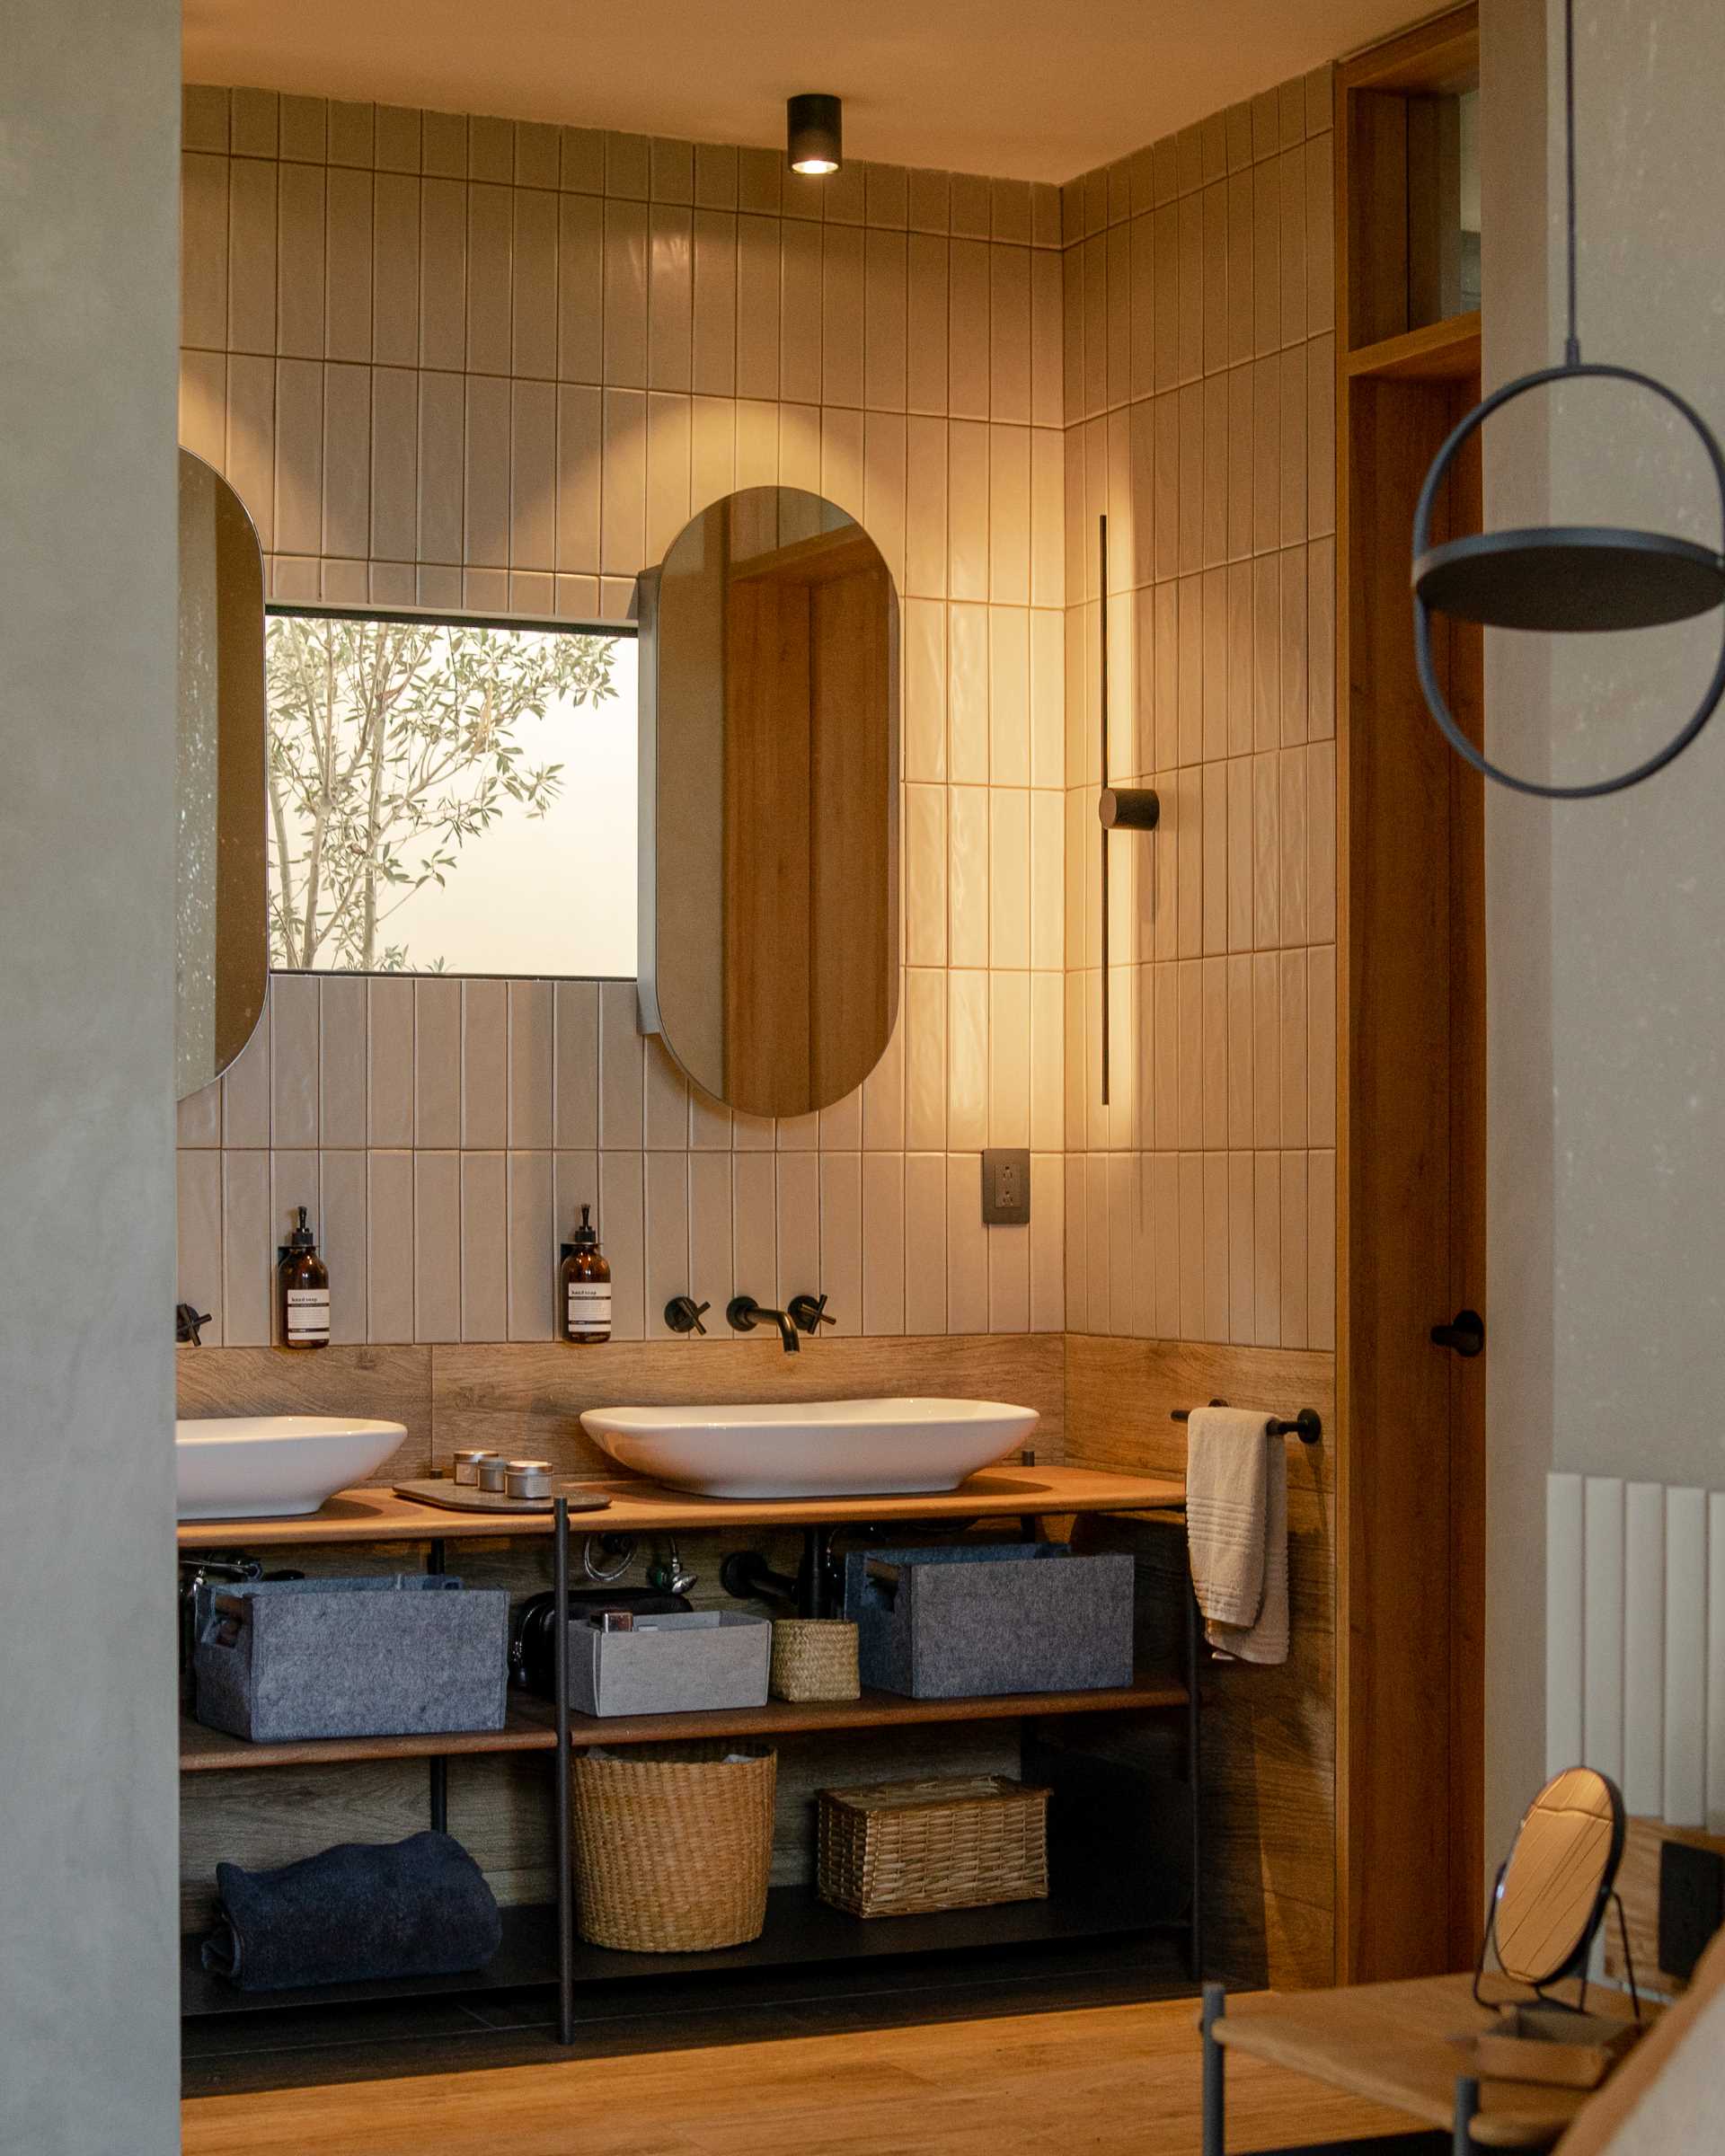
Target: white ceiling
(1013, 88)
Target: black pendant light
(1564, 577)
(814, 128)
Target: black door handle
(1466, 1334)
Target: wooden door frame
(1437, 1530)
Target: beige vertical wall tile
(840, 1239)
(299, 457)
(1241, 1230)
(800, 319)
(1292, 908)
(437, 1216)
(484, 1063)
(1240, 1043)
(666, 1263)
(389, 1245)
(621, 1067)
(625, 247)
(622, 525)
(484, 1247)
(926, 877)
(966, 1246)
(342, 1118)
(490, 279)
(348, 269)
(1321, 1046)
(344, 1243)
(670, 302)
(925, 1243)
(755, 1198)
(197, 1217)
(443, 277)
(1267, 1270)
(293, 1060)
(1267, 1049)
(1292, 998)
(442, 466)
(1320, 810)
(534, 284)
(394, 477)
(926, 324)
(388, 1023)
(1296, 1280)
(204, 251)
(485, 489)
(623, 1231)
(883, 1243)
(968, 334)
(1320, 1250)
(799, 1227)
(305, 129)
(437, 1063)
(531, 1065)
(248, 1247)
(1320, 235)
(347, 461)
(1009, 515)
(1293, 472)
(1267, 652)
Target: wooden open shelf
(640, 1508)
(1443, 351)
(529, 1726)
(800, 1929)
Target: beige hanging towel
(1236, 1530)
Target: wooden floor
(1111, 2080)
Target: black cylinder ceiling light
(1564, 578)
(814, 133)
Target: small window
(450, 796)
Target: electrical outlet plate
(1006, 1186)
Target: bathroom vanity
(1128, 1869)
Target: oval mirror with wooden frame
(1555, 1883)
(222, 889)
(769, 768)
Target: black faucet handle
(188, 1324)
(808, 1313)
(683, 1313)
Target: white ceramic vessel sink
(812, 1448)
(268, 1467)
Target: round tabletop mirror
(1552, 1890)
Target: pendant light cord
(1572, 342)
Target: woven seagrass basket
(814, 1658)
(673, 1845)
(907, 1848)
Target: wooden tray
(462, 1497)
(1545, 2044)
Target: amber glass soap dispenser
(303, 1291)
(584, 1294)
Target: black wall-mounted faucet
(188, 1323)
(743, 1313)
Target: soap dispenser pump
(583, 1296)
(303, 1290)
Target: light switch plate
(1006, 1186)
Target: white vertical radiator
(1635, 1642)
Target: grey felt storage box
(966, 1623)
(677, 1664)
(392, 1656)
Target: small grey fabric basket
(400, 1654)
(974, 1621)
(674, 1664)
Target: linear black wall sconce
(1119, 808)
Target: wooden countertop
(640, 1508)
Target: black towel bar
(1307, 1426)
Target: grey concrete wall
(1605, 920)
(89, 126)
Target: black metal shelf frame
(799, 1928)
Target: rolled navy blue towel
(355, 1913)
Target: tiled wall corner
(453, 361)
(1199, 401)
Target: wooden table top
(640, 1508)
(1393, 2044)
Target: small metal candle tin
(492, 1475)
(528, 1478)
(467, 1467)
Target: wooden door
(1411, 1052)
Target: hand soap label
(308, 1316)
(589, 1308)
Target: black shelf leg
(1467, 2107)
(435, 1564)
(560, 1833)
(1194, 1776)
(1215, 2065)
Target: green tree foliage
(392, 746)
